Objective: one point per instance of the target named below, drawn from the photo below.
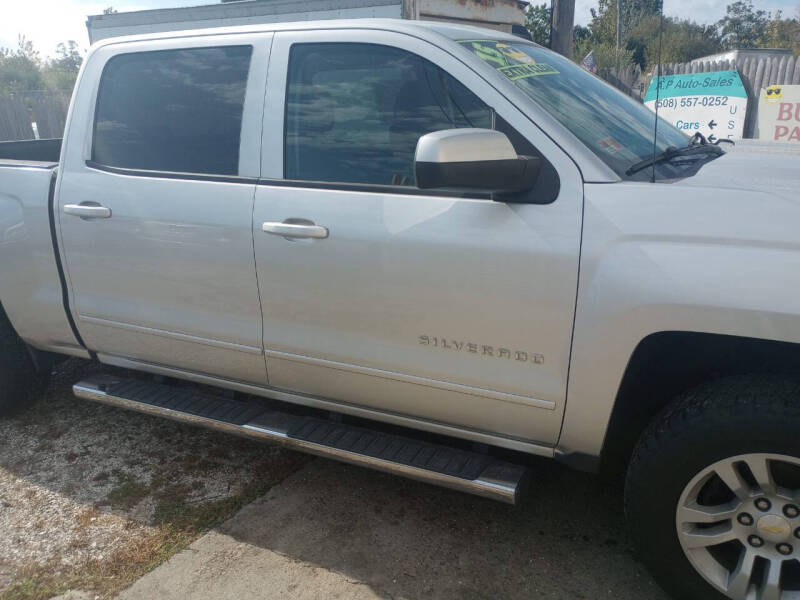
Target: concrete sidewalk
(335, 531)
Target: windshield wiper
(673, 152)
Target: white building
(504, 15)
(741, 55)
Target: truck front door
(155, 204)
(445, 308)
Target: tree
(606, 55)
(109, 11)
(537, 20)
(682, 41)
(743, 26)
(60, 72)
(604, 18)
(783, 33)
(581, 33)
(20, 69)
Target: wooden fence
(15, 120)
(756, 74)
(47, 109)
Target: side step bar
(469, 472)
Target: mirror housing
(481, 160)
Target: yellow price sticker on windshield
(514, 72)
(518, 56)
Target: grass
(182, 511)
(178, 522)
(127, 494)
(105, 578)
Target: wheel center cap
(774, 528)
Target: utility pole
(619, 24)
(562, 19)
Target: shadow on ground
(393, 538)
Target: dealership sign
(779, 113)
(713, 104)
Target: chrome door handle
(295, 230)
(87, 211)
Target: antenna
(658, 90)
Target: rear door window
(354, 112)
(173, 110)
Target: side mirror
(473, 159)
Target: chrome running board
(441, 465)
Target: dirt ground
(93, 499)
(93, 496)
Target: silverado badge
(521, 356)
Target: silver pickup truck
(433, 250)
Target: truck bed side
(31, 150)
(32, 291)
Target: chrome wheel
(738, 523)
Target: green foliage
(537, 20)
(606, 55)
(601, 34)
(683, 40)
(23, 70)
(603, 25)
(60, 72)
(580, 34)
(20, 69)
(783, 33)
(743, 26)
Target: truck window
(616, 128)
(172, 110)
(354, 112)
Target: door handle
(87, 211)
(295, 230)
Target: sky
(48, 22)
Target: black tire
(716, 421)
(20, 384)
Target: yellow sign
(779, 113)
(514, 72)
(514, 54)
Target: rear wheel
(713, 492)
(19, 381)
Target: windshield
(615, 127)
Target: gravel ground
(92, 498)
(88, 492)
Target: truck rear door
(155, 203)
(445, 308)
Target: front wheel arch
(666, 364)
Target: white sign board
(779, 113)
(713, 104)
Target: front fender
(658, 257)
